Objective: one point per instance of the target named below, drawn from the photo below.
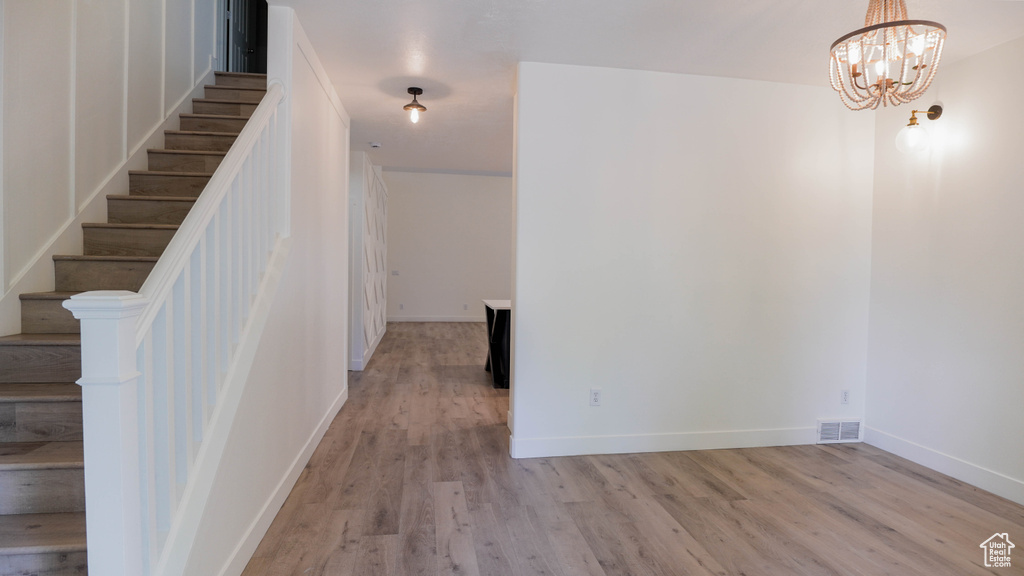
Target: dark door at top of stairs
(247, 36)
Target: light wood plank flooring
(414, 478)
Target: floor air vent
(833, 431)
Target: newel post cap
(106, 304)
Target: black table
(499, 325)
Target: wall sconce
(913, 137)
(415, 107)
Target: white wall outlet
(465, 306)
(401, 306)
(844, 397)
(394, 272)
(595, 396)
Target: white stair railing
(156, 365)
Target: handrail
(161, 279)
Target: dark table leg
(498, 330)
(490, 326)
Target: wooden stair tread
(200, 133)
(239, 88)
(150, 198)
(241, 74)
(222, 101)
(120, 226)
(80, 258)
(187, 152)
(40, 392)
(169, 173)
(42, 339)
(41, 455)
(215, 116)
(46, 295)
(42, 533)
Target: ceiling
(463, 53)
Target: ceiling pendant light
(415, 107)
(892, 60)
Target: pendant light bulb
(415, 107)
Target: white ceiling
(463, 53)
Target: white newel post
(111, 427)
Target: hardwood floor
(414, 478)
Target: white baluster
(212, 314)
(226, 279)
(238, 275)
(182, 384)
(163, 415)
(244, 247)
(197, 343)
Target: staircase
(42, 494)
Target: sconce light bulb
(912, 139)
(414, 115)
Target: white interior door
(239, 49)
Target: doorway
(245, 26)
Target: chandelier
(892, 60)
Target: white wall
(450, 240)
(945, 368)
(87, 86)
(696, 247)
(299, 380)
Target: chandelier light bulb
(915, 45)
(853, 52)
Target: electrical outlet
(401, 306)
(394, 272)
(844, 397)
(465, 306)
(595, 396)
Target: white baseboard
(358, 364)
(240, 556)
(437, 319)
(625, 444)
(373, 347)
(999, 484)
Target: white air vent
(833, 431)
